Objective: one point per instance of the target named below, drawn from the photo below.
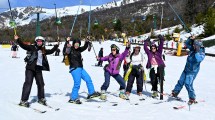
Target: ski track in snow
(59, 83)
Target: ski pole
(56, 22)
(88, 31)
(93, 49)
(89, 20)
(11, 17)
(75, 19)
(180, 18)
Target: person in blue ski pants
(195, 57)
(78, 72)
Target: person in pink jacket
(113, 68)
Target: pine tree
(118, 26)
(190, 11)
(210, 22)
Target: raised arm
(160, 47)
(50, 51)
(21, 44)
(124, 54)
(85, 46)
(147, 51)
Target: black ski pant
(138, 74)
(29, 76)
(156, 76)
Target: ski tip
(43, 112)
(142, 99)
(114, 104)
(179, 107)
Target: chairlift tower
(38, 12)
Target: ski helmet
(39, 38)
(116, 47)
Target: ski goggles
(76, 44)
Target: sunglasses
(76, 44)
(113, 50)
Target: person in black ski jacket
(100, 55)
(78, 72)
(36, 62)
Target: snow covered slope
(58, 85)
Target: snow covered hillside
(25, 15)
(59, 82)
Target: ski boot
(140, 94)
(192, 101)
(42, 101)
(127, 94)
(77, 101)
(154, 94)
(103, 95)
(122, 95)
(174, 94)
(95, 94)
(24, 104)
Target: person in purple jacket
(112, 69)
(155, 63)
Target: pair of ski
(182, 106)
(40, 110)
(44, 111)
(115, 103)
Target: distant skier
(14, 49)
(195, 57)
(112, 69)
(78, 72)
(100, 55)
(155, 63)
(137, 71)
(36, 62)
(57, 52)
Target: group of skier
(134, 67)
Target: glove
(160, 36)
(88, 38)
(148, 39)
(128, 45)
